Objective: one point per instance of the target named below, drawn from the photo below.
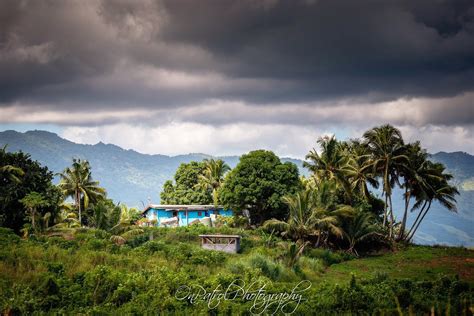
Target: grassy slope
(175, 258)
(415, 262)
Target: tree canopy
(28, 176)
(212, 177)
(258, 183)
(186, 188)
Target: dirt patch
(462, 266)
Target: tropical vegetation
(82, 253)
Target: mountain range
(136, 179)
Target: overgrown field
(84, 272)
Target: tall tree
(387, 158)
(258, 183)
(19, 176)
(185, 188)
(415, 172)
(332, 163)
(32, 201)
(76, 182)
(436, 188)
(212, 177)
(360, 177)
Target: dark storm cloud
(176, 53)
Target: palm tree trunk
(417, 218)
(33, 215)
(418, 225)
(385, 189)
(392, 220)
(78, 204)
(405, 214)
(214, 197)
(318, 240)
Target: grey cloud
(109, 54)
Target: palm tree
(357, 229)
(300, 225)
(436, 188)
(415, 173)
(76, 182)
(105, 215)
(32, 201)
(387, 150)
(360, 176)
(125, 228)
(328, 212)
(331, 164)
(312, 214)
(212, 177)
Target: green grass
(89, 274)
(414, 262)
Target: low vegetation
(88, 273)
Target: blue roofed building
(182, 215)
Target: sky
(224, 77)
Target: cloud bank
(228, 76)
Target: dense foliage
(257, 185)
(337, 205)
(20, 176)
(212, 178)
(185, 190)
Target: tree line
(31, 204)
(345, 202)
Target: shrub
(315, 265)
(268, 267)
(63, 243)
(327, 256)
(8, 236)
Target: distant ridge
(132, 178)
(129, 176)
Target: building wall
(155, 214)
(159, 214)
(226, 212)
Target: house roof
(220, 236)
(183, 207)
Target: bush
(63, 243)
(315, 265)
(268, 267)
(8, 236)
(327, 256)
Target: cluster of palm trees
(76, 182)
(339, 201)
